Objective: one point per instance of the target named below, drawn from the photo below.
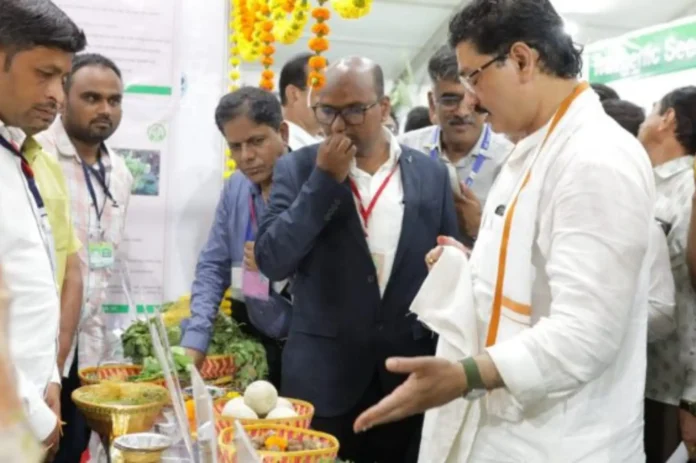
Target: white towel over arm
(445, 304)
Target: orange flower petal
(268, 74)
(321, 13)
(267, 26)
(267, 61)
(321, 29)
(318, 44)
(317, 62)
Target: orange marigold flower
(268, 74)
(267, 37)
(317, 62)
(265, 9)
(316, 79)
(318, 44)
(267, 61)
(289, 5)
(276, 441)
(268, 50)
(321, 29)
(321, 14)
(267, 26)
(266, 84)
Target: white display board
(644, 65)
(172, 56)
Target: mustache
(457, 120)
(101, 119)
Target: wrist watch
(688, 406)
(474, 383)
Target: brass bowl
(141, 448)
(113, 419)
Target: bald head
(352, 103)
(359, 70)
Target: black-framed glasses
(469, 80)
(351, 115)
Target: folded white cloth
(445, 304)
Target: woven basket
(304, 410)
(120, 373)
(217, 366)
(329, 453)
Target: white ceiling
(401, 32)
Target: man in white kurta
(559, 270)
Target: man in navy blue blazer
(351, 220)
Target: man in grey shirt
(472, 152)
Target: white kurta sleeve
(41, 418)
(599, 217)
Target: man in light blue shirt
(251, 121)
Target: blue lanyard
(27, 171)
(252, 224)
(479, 158)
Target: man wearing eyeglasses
(351, 220)
(472, 152)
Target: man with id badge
(350, 220)
(99, 183)
(251, 120)
(472, 152)
(37, 42)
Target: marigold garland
(318, 44)
(287, 31)
(248, 28)
(351, 9)
(234, 79)
(267, 50)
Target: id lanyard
(100, 175)
(40, 214)
(365, 213)
(252, 224)
(479, 159)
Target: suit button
(371, 279)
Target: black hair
(378, 76)
(258, 105)
(443, 65)
(683, 102)
(493, 26)
(417, 118)
(25, 24)
(294, 73)
(89, 59)
(605, 92)
(392, 114)
(629, 116)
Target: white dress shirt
(299, 137)
(384, 227)
(661, 297)
(577, 374)
(672, 361)
(35, 307)
(429, 140)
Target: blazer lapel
(412, 189)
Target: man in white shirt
(37, 41)
(297, 102)
(669, 136)
(472, 152)
(559, 274)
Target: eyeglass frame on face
(360, 107)
(466, 79)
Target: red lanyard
(366, 213)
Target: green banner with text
(660, 51)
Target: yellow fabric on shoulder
(54, 191)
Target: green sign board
(669, 49)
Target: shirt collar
(300, 136)
(12, 134)
(674, 167)
(67, 149)
(394, 155)
(435, 142)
